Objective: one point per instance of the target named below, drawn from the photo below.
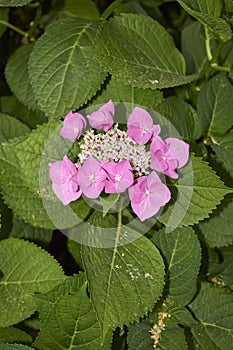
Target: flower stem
(109, 10)
(207, 45)
(16, 29)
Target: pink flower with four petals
(140, 126)
(103, 118)
(92, 178)
(147, 195)
(168, 155)
(64, 176)
(73, 125)
(119, 176)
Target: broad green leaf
(14, 335)
(5, 220)
(47, 301)
(215, 106)
(37, 235)
(208, 13)
(4, 14)
(218, 229)
(182, 253)
(126, 279)
(226, 274)
(26, 269)
(214, 308)
(75, 250)
(118, 91)
(63, 69)
(224, 152)
(71, 323)
(10, 105)
(193, 48)
(138, 337)
(14, 347)
(16, 73)
(195, 195)
(14, 3)
(85, 9)
(182, 116)
(16, 193)
(10, 128)
(142, 53)
(173, 337)
(180, 315)
(41, 146)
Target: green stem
(109, 10)
(220, 68)
(35, 23)
(17, 30)
(207, 45)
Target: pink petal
(103, 118)
(179, 150)
(73, 125)
(67, 192)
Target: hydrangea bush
(116, 174)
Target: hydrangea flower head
(168, 155)
(140, 126)
(73, 125)
(103, 118)
(64, 176)
(116, 161)
(147, 195)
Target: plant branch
(16, 29)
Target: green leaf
(117, 91)
(126, 279)
(142, 53)
(85, 9)
(73, 315)
(75, 250)
(213, 307)
(37, 235)
(193, 48)
(224, 152)
(14, 3)
(138, 337)
(4, 14)
(5, 220)
(17, 194)
(182, 253)
(17, 76)
(14, 335)
(217, 230)
(215, 106)
(195, 195)
(180, 315)
(10, 105)
(37, 149)
(226, 275)
(14, 347)
(66, 54)
(182, 116)
(26, 269)
(173, 337)
(10, 128)
(208, 13)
